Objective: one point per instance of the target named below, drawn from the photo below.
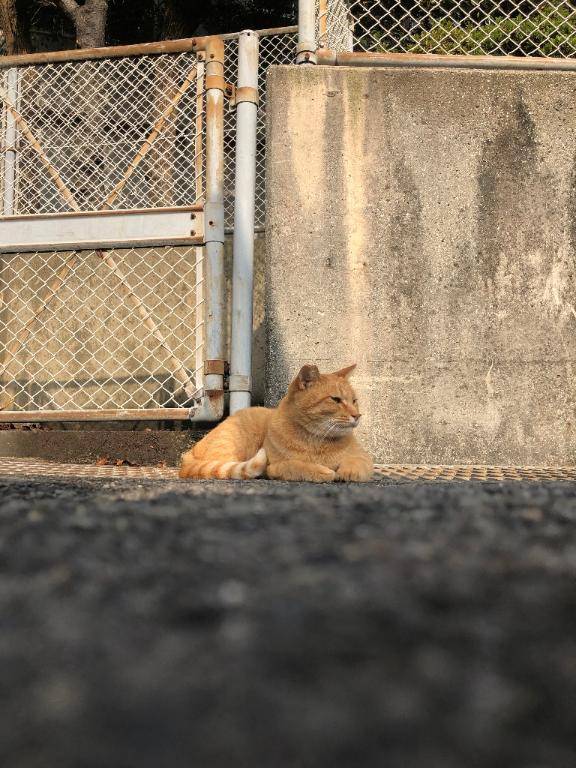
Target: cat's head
(324, 404)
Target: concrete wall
(423, 224)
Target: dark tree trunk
(15, 24)
(89, 21)
(173, 24)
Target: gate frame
(210, 52)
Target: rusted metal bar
(214, 220)
(112, 52)
(199, 332)
(109, 414)
(213, 47)
(240, 384)
(199, 129)
(431, 60)
(306, 48)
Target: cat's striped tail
(236, 470)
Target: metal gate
(112, 232)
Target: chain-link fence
(96, 330)
(93, 330)
(105, 134)
(490, 27)
(334, 25)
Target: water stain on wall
(508, 191)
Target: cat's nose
(355, 418)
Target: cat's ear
(308, 375)
(344, 373)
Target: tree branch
(89, 21)
(15, 24)
(70, 8)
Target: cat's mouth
(344, 426)
(334, 429)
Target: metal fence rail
(464, 27)
(134, 324)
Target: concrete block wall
(422, 223)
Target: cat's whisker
(328, 429)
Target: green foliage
(550, 32)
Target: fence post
(10, 136)
(244, 207)
(306, 48)
(213, 52)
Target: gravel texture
(150, 624)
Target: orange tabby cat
(309, 436)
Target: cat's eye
(337, 399)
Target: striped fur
(236, 470)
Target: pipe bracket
(245, 95)
(215, 82)
(306, 53)
(239, 383)
(217, 367)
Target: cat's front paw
(355, 471)
(317, 473)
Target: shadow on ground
(259, 625)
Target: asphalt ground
(162, 624)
